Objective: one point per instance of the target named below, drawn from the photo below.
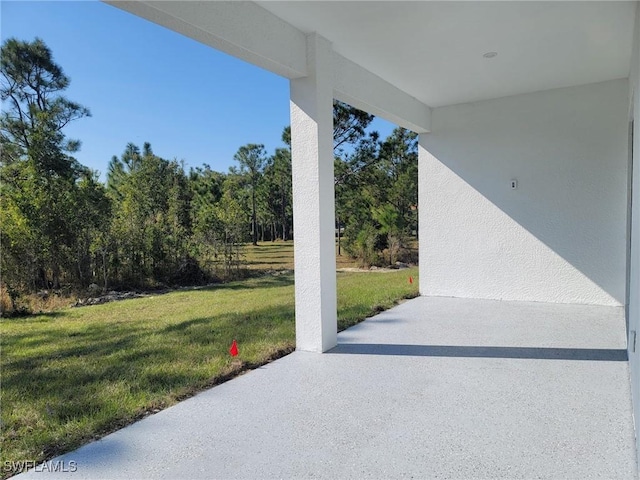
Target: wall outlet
(514, 184)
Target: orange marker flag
(234, 349)
(411, 280)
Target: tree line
(154, 223)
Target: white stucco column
(424, 160)
(313, 200)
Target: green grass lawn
(279, 255)
(75, 374)
(269, 256)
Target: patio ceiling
(434, 50)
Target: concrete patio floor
(434, 388)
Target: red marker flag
(234, 349)
(411, 280)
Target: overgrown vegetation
(377, 198)
(75, 374)
(153, 224)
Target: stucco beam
(361, 88)
(249, 32)
(242, 29)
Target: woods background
(152, 223)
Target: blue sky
(143, 83)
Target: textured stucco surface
(313, 200)
(634, 291)
(558, 237)
(434, 388)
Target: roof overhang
(398, 59)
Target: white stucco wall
(634, 290)
(558, 237)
